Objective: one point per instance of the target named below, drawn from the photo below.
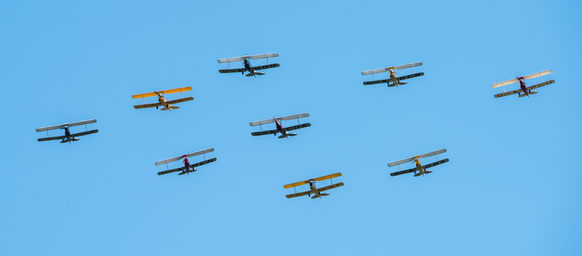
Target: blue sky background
(513, 186)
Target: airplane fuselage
(280, 128)
(421, 171)
(523, 86)
(393, 77)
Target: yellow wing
(327, 177)
(150, 94)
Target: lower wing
(535, 86)
(274, 65)
(180, 100)
(330, 187)
(407, 77)
(152, 105)
(232, 70)
(84, 133)
(298, 194)
(295, 127)
(377, 82)
(435, 163)
(52, 138)
(191, 166)
(264, 132)
(499, 95)
(403, 172)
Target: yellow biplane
(419, 169)
(312, 189)
(167, 105)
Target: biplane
(419, 169)
(279, 127)
(247, 67)
(523, 90)
(187, 168)
(68, 137)
(393, 80)
(162, 102)
(312, 189)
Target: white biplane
(523, 90)
(68, 137)
(419, 169)
(393, 80)
(247, 67)
(187, 168)
(279, 127)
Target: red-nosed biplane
(247, 64)
(68, 137)
(279, 127)
(187, 168)
(393, 80)
(523, 90)
(419, 169)
(162, 102)
(312, 189)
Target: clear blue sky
(513, 186)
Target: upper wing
(408, 65)
(330, 186)
(274, 65)
(291, 117)
(403, 172)
(535, 86)
(258, 56)
(295, 127)
(504, 83)
(377, 81)
(151, 105)
(499, 95)
(180, 100)
(263, 56)
(543, 73)
(232, 70)
(327, 177)
(426, 166)
(268, 121)
(84, 133)
(183, 89)
(52, 138)
(400, 162)
(264, 132)
(440, 151)
(48, 128)
(298, 194)
(374, 71)
(150, 94)
(187, 155)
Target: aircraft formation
(250, 70)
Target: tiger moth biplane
(312, 189)
(247, 67)
(393, 80)
(419, 169)
(523, 90)
(187, 168)
(162, 102)
(279, 126)
(68, 137)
